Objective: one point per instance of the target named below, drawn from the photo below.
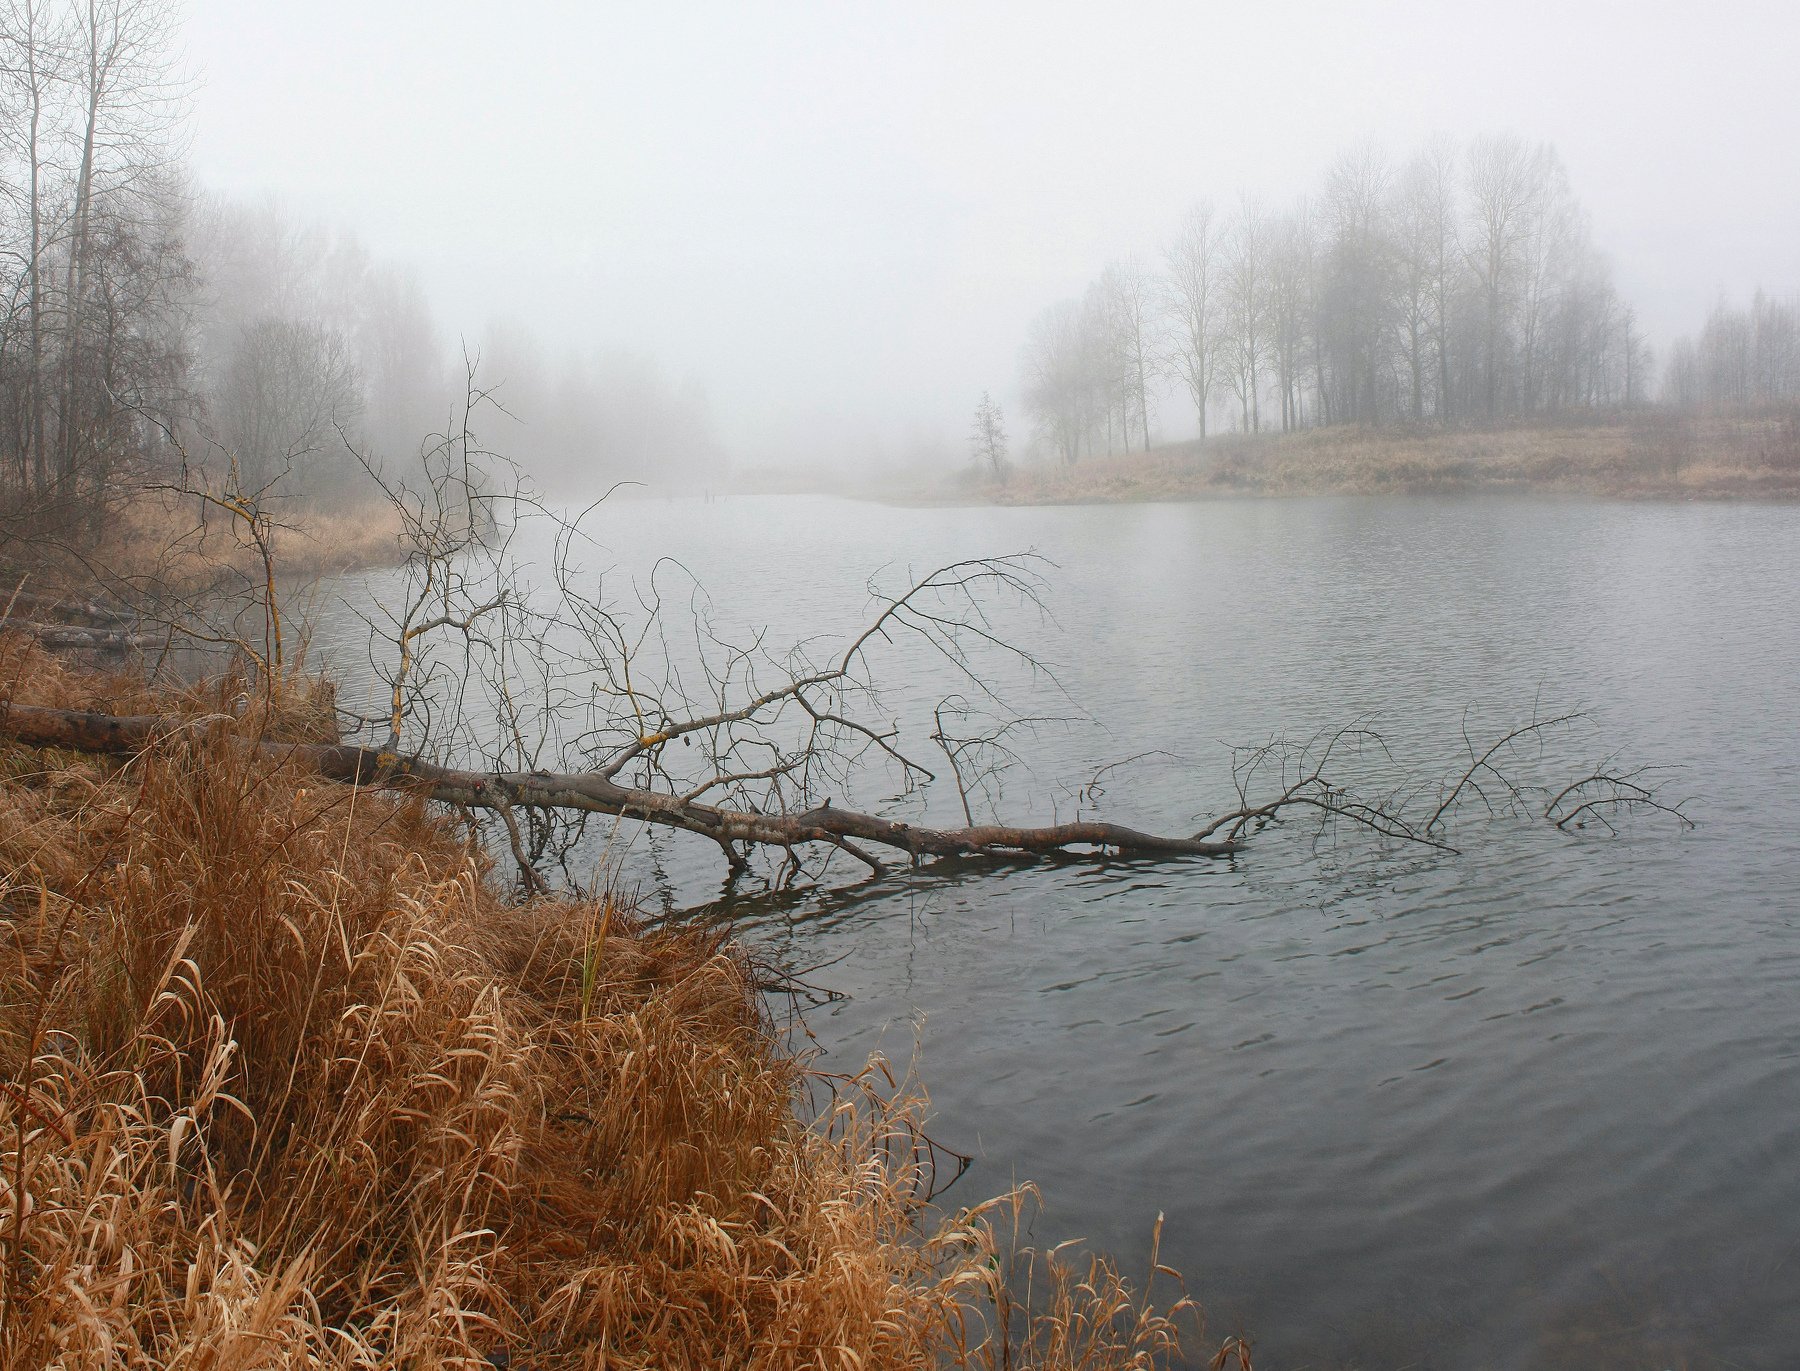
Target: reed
(286, 1080)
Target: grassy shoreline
(288, 1078)
(1649, 456)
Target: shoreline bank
(1650, 457)
(287, 1071)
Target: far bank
(1650, 455)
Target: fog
(1414, 920)
(840, 219)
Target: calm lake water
(1536, 1104)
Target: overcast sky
(841, 217)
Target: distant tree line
(575, 413)
(312, 355)
(1457, 286)
(306, 351)
(1742, 359)
(141, 320)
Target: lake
(1532, 1104)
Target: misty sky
(841, 217)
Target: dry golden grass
(177, 538)
(1650, 455)
(285, 1081)
(180, 544)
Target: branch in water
(501, 792)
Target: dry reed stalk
(285, 1081)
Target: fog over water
(840, 220)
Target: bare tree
(400, 357)
(1741, 359)
(300, 331)
(1504, 186)
(1058, 379)
(1246, 314)
(1291, 266)
(1636, 354)
(93, 330)
(37, 54)
(1130, 294)
(1105, 367)
(987, 437)
(1462, 284)
(128, 103)
(1683, 387)
(289, 390)
(1443, 218)
(1552, 278)
(1419, 239)
(1193, 305)
(1360, 294)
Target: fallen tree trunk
(82, 638)
(502, 792)
(66, 607)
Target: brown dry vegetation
(285, 1081)
(162, 555)
(1650, 455)
(180, 541)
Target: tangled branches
(1502, 776)
(519, 685)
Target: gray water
(1532, 1104)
